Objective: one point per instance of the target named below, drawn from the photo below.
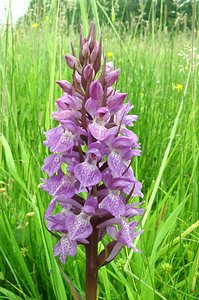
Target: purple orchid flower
(53, 163)
(98, 126)
(61, 185)
(124, 237)
(87, 172)
(91, 178)
(65, 246)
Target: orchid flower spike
(90, 170)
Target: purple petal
(91, 106)
(96, 90)
(67, 187)
(102, 114)
(66, 202)
(113, 204)
(120, 114)
(128, 120)
(81, 228)
(90, 206)
(127, 230)
(112, 77)
(57, 249)
(116, 164)
(134, 248)
(115, 101)
(93, 154)
(128, 153)
(94, 52)
(58, 221)
(88, 174)
(68, 102)
(137, 188)
(52, 163)
(123, 142)
(69, 221)
(61, 116)
(107, 178)
(66, 86)
(121, 183)
(99, 131)
(72, 249)
(61, 185)
(53, 135)
(50, 208)
(132, 212)
(116, 249)
(112, 232)
(100, 146)
(85, 49)
(52, 183)
(83, 241)
(88, 72)
(65, 143)
(67, 247)
(72, 61)
(78, 77)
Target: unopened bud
(72, 61)
(92, 35)
(88, 72)
(85, 51)
(94, 52)
(96, 90)
(78, 77)
(66, 86)
(112, 77)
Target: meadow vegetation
(159, 70)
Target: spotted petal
(53, 136)
(113, 204)
(62, 186)
(116, 164)
(98, 130)
(81, 228)
(87, 173)
(52, 163)
(65, 246)
(127, 230)
(65, 142)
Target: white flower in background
(188, 55)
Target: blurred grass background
(157, 51)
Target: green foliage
(172, 14)
(163, 87)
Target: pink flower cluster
(90, 172)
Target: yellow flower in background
(34, 25)
(109, 54)
(47, 18)
(141, 94)
(179, 87)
